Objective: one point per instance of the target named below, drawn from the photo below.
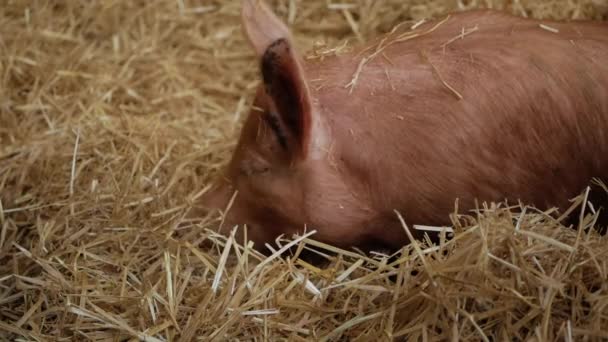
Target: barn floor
(114, 116)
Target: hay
(115, 115)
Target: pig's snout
(218, 197)
(223, 199)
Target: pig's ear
(262, 27)
(282, 73)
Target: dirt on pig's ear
(283, 77)
(286, 87)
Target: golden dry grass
(113, 117)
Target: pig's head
(282, 177)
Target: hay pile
(113, 117)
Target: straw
(114, 118)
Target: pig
(475, 106)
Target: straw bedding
(114, 116)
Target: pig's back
(511, 109)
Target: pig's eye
(252, 171)
(259, 171)
(254, 166)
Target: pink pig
(479, 105)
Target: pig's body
(510, 110)
(532, 123)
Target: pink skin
(531, 125)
